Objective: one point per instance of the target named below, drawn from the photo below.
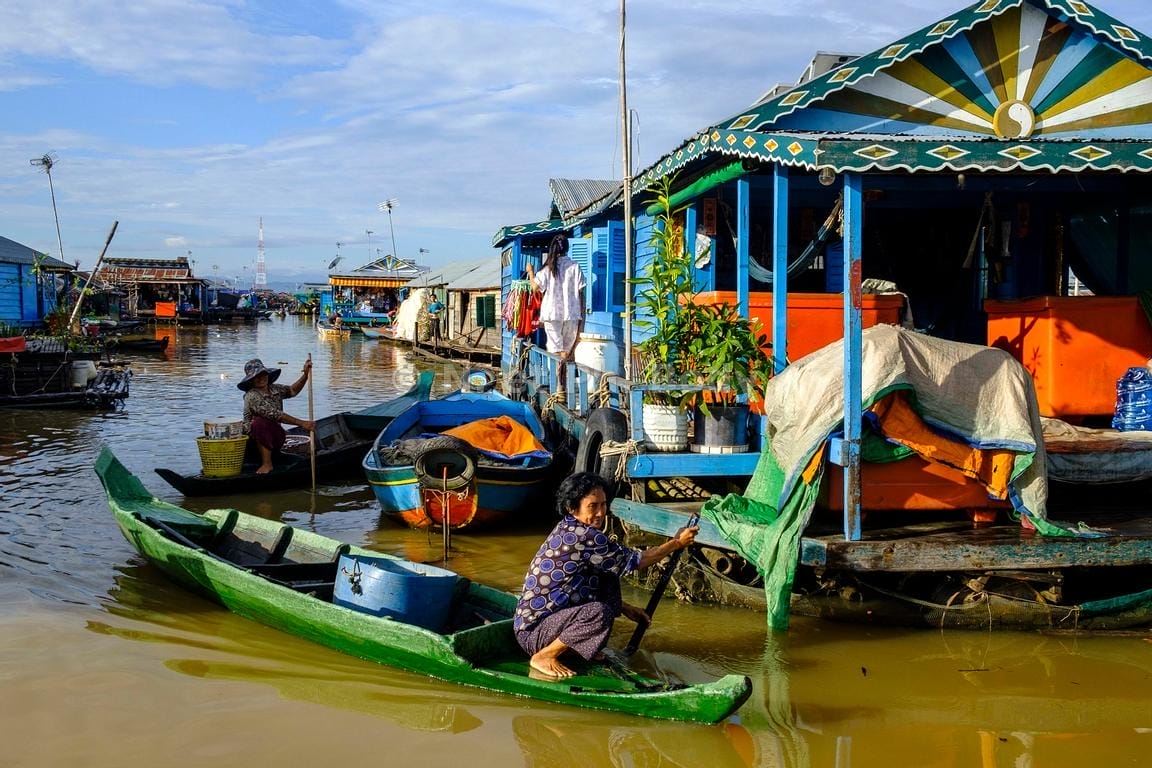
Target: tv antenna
(388, 205)
(46, 161)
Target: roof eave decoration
(505, 234)
(1098, 24)
(1043, 85)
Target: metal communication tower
(261, 273)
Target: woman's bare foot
(264, 469)
(549, 666)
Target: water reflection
(551, 741)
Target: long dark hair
(575, 487)
(557, 248)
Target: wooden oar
(311, 417)
(658, 592)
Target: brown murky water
(103, 662)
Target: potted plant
(690, 343)
(660, 294)
(725, 352)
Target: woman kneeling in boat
(571, 595)
(264, 408)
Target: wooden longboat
(423, 480)
(341, 440)
(285, 578)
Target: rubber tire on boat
(602, 425)
(478, 380)
(445, 451)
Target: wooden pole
(91, 275)
(311, 417)
(657, 593)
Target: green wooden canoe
(285, 577)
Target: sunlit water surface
(103, 662)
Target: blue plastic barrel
(1133, 401)
(413, 593)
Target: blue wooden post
(743, 197)
(779, 267)
(850, 451)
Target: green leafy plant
(659, 295)
(686, 341)
(723, 351)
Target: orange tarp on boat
(500, 436)
(901, 424)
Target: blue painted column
(849, 457)
(743, 227)
(779, 267)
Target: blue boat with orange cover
(473, 457)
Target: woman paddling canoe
(264, 408)
(571, 595)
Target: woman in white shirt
(561, 283)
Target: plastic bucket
(724, 429)
(413, 593)
(223, 429)
(83, 371)
(598, 352)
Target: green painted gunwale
(484, 656)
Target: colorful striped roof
(1053, 85)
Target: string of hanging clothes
(521, 312)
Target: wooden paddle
(658, 592)
(311, 417)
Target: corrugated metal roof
(12, 252)
(461, 275)
(571, 196)
(484, 277)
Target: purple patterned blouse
(568, 570)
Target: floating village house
(969, 173)
(30, 284)
(470, 292)
(379, 282)
(159, 289)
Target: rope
(625, 449)
(556, 398)
(602, 397)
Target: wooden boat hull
(496, 492)
(492, 496)
(284, 578)
(327, 331)
(342, 439)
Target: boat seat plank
(305, 552)
(254, 547)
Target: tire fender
(602, 425)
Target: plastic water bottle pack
(1133, 401)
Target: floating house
(955, 182)
(30, 284)
(157, 289)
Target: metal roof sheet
(12, 252)
(461, 275)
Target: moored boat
(330, 331)
(46, 373)
(469, 458)
(292, 580)
(341, 440)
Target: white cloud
(188, 121)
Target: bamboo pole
(91, 275)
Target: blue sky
(189, 121)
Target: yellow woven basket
(222, 457)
